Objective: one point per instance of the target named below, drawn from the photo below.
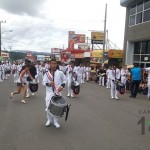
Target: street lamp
(0, 35)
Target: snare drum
(33, 87)
(58, 105)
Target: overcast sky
(44, 24)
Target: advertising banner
(115, 53)
(97, 53)
(55, 50)
(97, 37)
(4, 55)
(74, 39)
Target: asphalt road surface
(95, 121)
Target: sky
(39, 25)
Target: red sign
(29, 54)
(55, 50)
(75, 38)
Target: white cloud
(49, 28)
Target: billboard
(74, 39)
(29, 54)
(55, 50)
(115, 53)
(97, 37)
(4, 55)
(97, 53)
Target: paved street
(95, 122)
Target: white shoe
(116, 98)
(57, 125)
(106, 87)
(112, 97)
(32, 94)
(11, 95)
(27, 96)
(68, 95)
(48, 123)
(72, 96)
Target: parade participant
(22, 83)
(15, 72)
(148, 70)
(88, 70)
(124, 73)
(80, 73)
(115, 77)
(33, 72)
(84, 74)
(55, 81)
(136, 79)
(62, 67)
(108, 77)
(1, 80)
(71, 74)
(102, 74)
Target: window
(139, 18)
(139, 6)
(133, 10)
(146, 15)
(146, 4)
(137, 47)
(148, 47)
(140, 12)
(132, 20)
(144, 47)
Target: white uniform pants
(49, 116)
(1, 79)
(70, 91)
(101, 80)
(114, 92)
(148, 95)
(87, 76)
(16, 76)
(108, 82)
(123, 80)
(80, 79)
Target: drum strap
(51, 78)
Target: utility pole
(1, 36)
(104, 38)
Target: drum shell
(56, 109)
(33, 87)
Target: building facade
(137, 32)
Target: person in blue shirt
(136, 79)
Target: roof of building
(126, 3)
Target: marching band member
(102, 74)
(108, 74)
(70, 73)
(33, 72)
(55, 81)
(88, 70)
(84, 74)
(22, 83)
(148, 70)
(80, 74)
(1, 79)
(124, 73)
(115, 77)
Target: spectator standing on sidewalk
(136, 79)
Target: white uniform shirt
(115, 74)
(59, 78)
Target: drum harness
(51, 78)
